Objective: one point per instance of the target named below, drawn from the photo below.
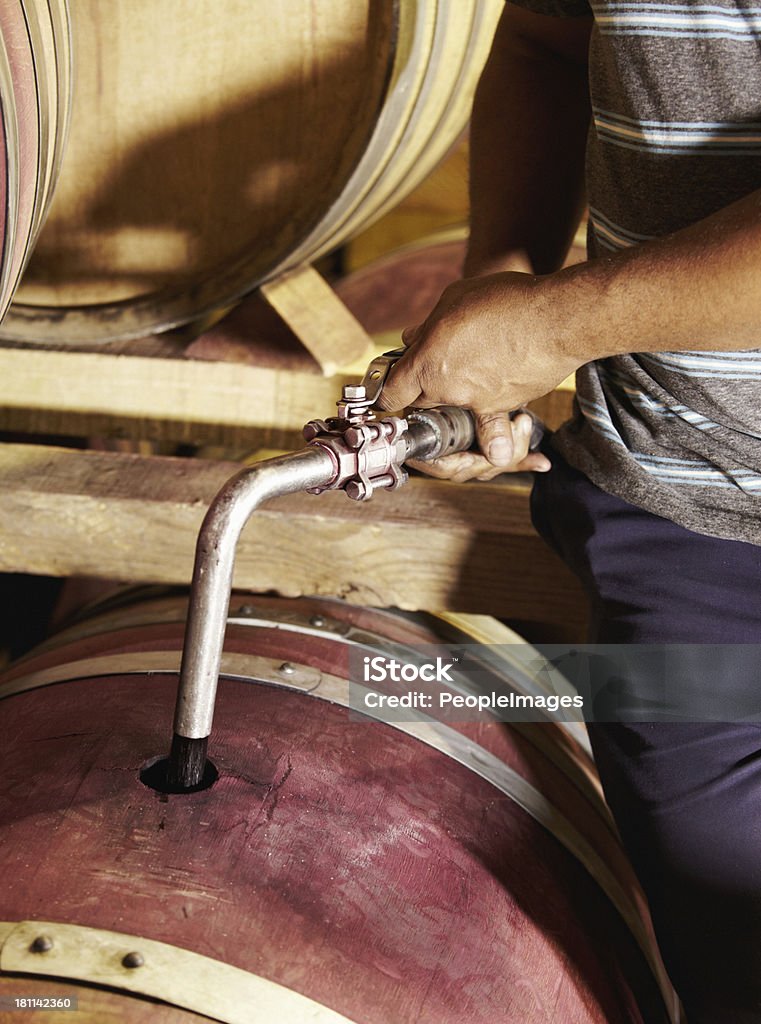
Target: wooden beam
(429, 545)
(90, 393)
(318, 318)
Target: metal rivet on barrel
(246, 609)
(42, 944)
(287, 668)
(133, 960)
(317, 620)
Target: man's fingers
(491, 428)
(409, 334)
(523, 426)
(506, 443)
(534, 462)
(402, 387)
(463, 466)
(524, 460)
(459, 467)
(494, 433)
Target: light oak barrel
(34, 97)
(416, 872)
(210, 154)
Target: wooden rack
(134, 517)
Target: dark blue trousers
(686, 795)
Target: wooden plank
(318, 318)
(429, 545)
(164, 398)
(81, 393)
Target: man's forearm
(499, 341)
(528, 134)
(698, 289)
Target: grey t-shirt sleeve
(556, 8)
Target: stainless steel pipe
(210, 594)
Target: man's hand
(489, 345)
(510, 453)
(482, 347)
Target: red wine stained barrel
(401, 287)
(340, 868)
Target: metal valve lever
(354, 451)
(377, 372)
(358, 399)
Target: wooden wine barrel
(210, 153)
(340, 869)
(35, 88)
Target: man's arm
(527, 140)
(497, 342)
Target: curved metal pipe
(431, 433)
(210, 595)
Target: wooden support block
(428, 545)
(320, 320)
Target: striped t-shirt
(675, 136)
